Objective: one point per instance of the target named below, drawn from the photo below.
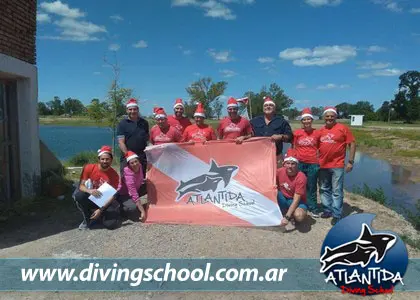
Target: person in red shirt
(234, 127)
(306, 143)
(334, 139)
(93, 176)
(162, 132)
(178, 120)
(199, 132)
(291, 185)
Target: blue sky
(321, 52)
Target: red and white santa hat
(291, 156)
(199, 112)
(306, 112)
(268, 100)
(104, 149)
(232, 102)
(160, 113)
(329, 108)
(178, 102)
(130, 155)
(132, 103)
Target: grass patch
(83, 158)
(377, 195)
(412, 135)
(408, 153)
(365, 138)
(415, 243)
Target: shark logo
(359, 260)
(359, 251)
(207, 182)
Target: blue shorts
(285, 203)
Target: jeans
(311, 171)
(331, 188)
(285, 203)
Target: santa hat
(160, 113)
(132, 103)
(104, 149)
(306, 112)
(130, 155)
(199, 112)
(267, 100)
(232, 102)
(291, 156)
(330, 108)
(178, 102)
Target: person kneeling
(291, 184)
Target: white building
(356, 120)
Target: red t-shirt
(157, 136)
(229, 129)
(179, 124)
(289, 186)
(306, 145)
(199, 134)
(332, 146)
(98, 176)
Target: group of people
(316, 157)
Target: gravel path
(174, 241)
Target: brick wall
(18, 29)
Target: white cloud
(376, 48)
(116, 18)
(114, 47)
(140, 44)
(61, 9)
(196, 74)
(317, 3)
(415, 10)
(265, 60)
(184, 2)
(301, 86)
(221, 56)
(364, 75)
(331, 86)
(43, 18)
(319, 56)
(371, 65)
(387, 72)
(75, 30)
(228, 73)
(97, 73)
(185, 51)
(213, 8)
(391, 5)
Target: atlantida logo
(359, 260)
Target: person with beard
(334, 139)
(133, 135)
(162, 132)
(234, 127)
(291, 185)
(178, 120)
(272, 125)
(199, 132)
(92, 177)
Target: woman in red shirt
(306, 144)
(199, 132)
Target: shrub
(82, 158)
(377, 194)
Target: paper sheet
(107, 192)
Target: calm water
(395, 180)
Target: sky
(320, 52)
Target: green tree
(385, 112)
(95, 111)
(343, 110)
(363, 108)
(292, 113)
(317, 111)
(217, 108)
(55, 106)
(73, 107)
(407, 102)
(256, 100)
(43, 109)
(400, 104)
(206, 92)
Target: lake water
(395, 180)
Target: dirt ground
(58, 236)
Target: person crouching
(291, 185)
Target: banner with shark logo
(218, 183)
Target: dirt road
(142, 240)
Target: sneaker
(83, 225)
(316, 213)
(326, 215)
(334, 221)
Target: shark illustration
(207, 182)
(359, 251)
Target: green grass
(415, 243)
(365, 138)
(82, 158)
(412, 135)
(376, 195)
(391, 124)
(408, 153)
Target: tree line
(404, 106)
